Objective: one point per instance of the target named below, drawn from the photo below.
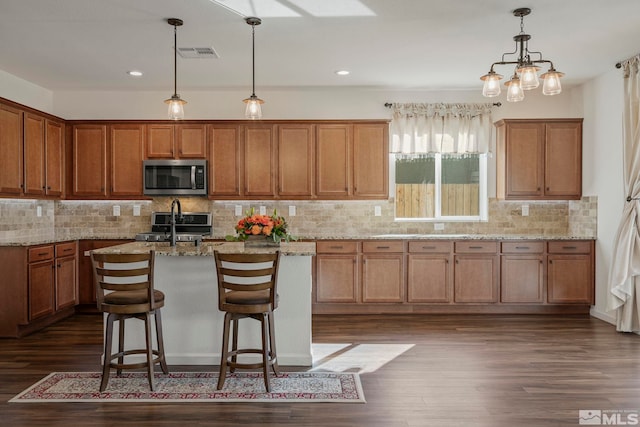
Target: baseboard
(604, 316)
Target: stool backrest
(247, 273)
(123, 273)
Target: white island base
(191, 321)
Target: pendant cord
(175, 60)
(253, 60)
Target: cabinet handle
(43, 253)
(336, 247)
(48, 188)
(522, 247)
(540, 261)
(44, 188)
(382, 247)
(538, 188)
(548, 188)
(428, 247)
(67, 250)
(59, 266)
(475, 247)
(457, 262)
(550, 262)
(569, 247)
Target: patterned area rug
(196, 387)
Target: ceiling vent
(198, 52)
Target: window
(441, 186)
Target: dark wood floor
(460, 371)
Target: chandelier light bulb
(491, 86)
(176, 109)
(514, 90)
(253, 110)
(529, 77)
(551, 85)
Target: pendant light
(526, 72)
(176, 109)
(253, 110)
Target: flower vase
(260, 241)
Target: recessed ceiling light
(343, 72)
(134, 73)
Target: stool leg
(147, 334)
(163, 361)
(265, 350)
(121, 321)
(224, 350)
(234, 345)
(272, 340)
(108, 341)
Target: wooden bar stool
(124, 290)
(247, 289)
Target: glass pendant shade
(514, 90)
(176, 109)
(529, 77)
(491, 86)
(551, 85)
(253, 110)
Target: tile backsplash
(70, 220)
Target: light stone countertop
(207, 248)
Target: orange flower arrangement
(273, 227)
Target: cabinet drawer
(570, 247)
(428, 246)
(337, 247)
(41, 253)
(382, 246)
(522, 247)
(65, 249)
(474, 246)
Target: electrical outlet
(238, 210)
(136, 210)
(377, 211)
(438, 226)
(38, 211)
(525, 210)
(292, 211)
(116, 210)
(263, 210)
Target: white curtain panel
(624, 277)
(440, 128)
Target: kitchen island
(191, 321)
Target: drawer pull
(475, 247)
(569, 247)
(428, 247)
(336, 247)
(522, 247)
(382, 247)
(43, 253)
(67, 250)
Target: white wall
(602, 171)
(25, 93)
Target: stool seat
(247, 289)
(124, 290)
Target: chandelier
(253, 110)
(176, 104)
(525, 75)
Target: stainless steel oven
(175, 177)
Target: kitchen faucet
(173, 219)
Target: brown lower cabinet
(448, 276)
(38, 286)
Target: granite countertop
(207, 248)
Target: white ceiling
(390, 44)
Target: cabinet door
(191, 141)
(90, 160)
(11, 162)
(522, 278)
(476, 278)
(569, 279)
(371, 160)
(127, 154)
(428, 278)
(295, 160)
(41, 288)
(34, 155)
(54, 153)
(66, 282)
(160, 141)
(333, 161)
(259, 161)
(382, 278)
(337, 278)
(563, 160)
(225, 170)
(524, 160)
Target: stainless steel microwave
(175, 177)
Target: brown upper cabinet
(225, 161)
(371, 160)
(176, 141)
(539, 159)
(107, 160)
(334, 157)
(296, 147)
(11, 151)
(43, 154)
